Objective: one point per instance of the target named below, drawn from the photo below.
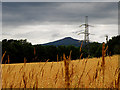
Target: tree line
(19, 50)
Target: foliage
(20, 49)
(114, 45)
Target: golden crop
(84, 73)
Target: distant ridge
(66, 41)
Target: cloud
(40, 34)
(61, 13)
(101, 30)
(44, 22)
(61, 0)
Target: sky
(43, 22)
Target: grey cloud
(61, 0)
(6, 33)
(61, 13)
(28, 20)
(36, 34)
(55, 35)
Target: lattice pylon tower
(86, 38)
(86, 31)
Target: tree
(114, 45)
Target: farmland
(84, 73)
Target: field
(84, 73)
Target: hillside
(66, 41)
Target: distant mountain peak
(65, 41)
(68, 38)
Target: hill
(66, 41)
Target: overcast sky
(60, 0)
(42, 22)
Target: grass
(84, 73)
(67, 75)
(101, 72)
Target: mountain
(66, 41)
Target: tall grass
(8, 59)
(25, 61)
(57, 57)
(103, 59)
(3, 56)
(80, 50)
(67, 77)
(69, 72)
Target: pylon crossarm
(78, 31)
(86, 25)
(91, 34)
(82, 25)
(90, 25)
(85, 33)
(81, 33)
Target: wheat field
(84, 73)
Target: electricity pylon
(86, 32)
